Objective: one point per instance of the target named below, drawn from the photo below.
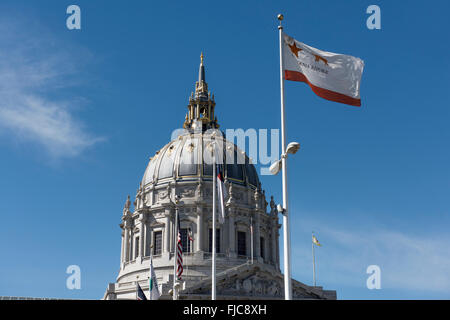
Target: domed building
(178, 178)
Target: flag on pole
(332, 76)
(222, 192)
(315, 241)
(179, 252)
(153, 283)
(140, 295)
(190, 238)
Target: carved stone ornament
(190, 147)
(273, 207)
(187, 192)
(126, 207)
(164, 193)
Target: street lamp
(292, 148)
(278, 165)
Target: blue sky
(81, 112)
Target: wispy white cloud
(35, 106)
(48, 123)
(408, 261)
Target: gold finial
(280, 18)
(201, 58)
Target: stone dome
(173, 214)
(188, 158)
(176, 193)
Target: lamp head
(275, 167)
(293, 147)
(280, 209)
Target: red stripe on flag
(321, 92)
(179, 256)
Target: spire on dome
(201, 87)
(201, 105)
(201, 73)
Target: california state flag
(332, 76)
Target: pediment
(253, 281)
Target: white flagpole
(188, 252)
(213, 271)
(151, 267)
(175, 253)
(314, 261)
(286, 232)
(251, 237)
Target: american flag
(140, 295)
(179, 253)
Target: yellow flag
(315, 241)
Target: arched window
(157, 243)
(136, 247)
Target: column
(199, 236)
(225, 235)
(257, 237)
(121, 245)
(277, 245)
(274, 240)
(167, 233)
(232, 234)
(141, 235)
(147, 237)
(127, 243)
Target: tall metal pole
(314, 263)
(175, 253)
(286, 232)
(251, 237)
(213, 233)
(150, 271)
